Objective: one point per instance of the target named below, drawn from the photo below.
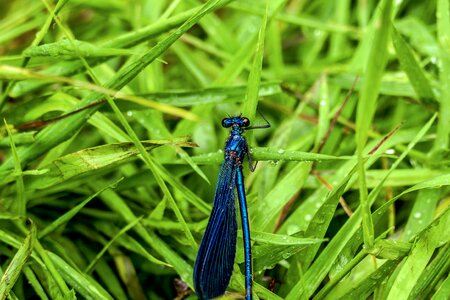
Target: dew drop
(390, 151)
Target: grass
(111, 144)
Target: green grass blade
(263, 215)
(53, 272)
(33, 280)
(19, 206)
(432, 237)
(105, 248)
(118, 205)
(9, 72)
(376, 63)
(254, 78)
(149, 161)
(366, 286)
(71, 213)
(279, 239)
(88, 162)
(443, 31)
(73, 49)
(17, 263)
(443, 291)
(433, 273)
(82, 283)
(413, 70)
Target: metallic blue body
(215, 258)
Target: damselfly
(215, 258)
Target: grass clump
(111, 144)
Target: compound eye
(245, 122)
(226, 123)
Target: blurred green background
(111, 144)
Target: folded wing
(215, 258)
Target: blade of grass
(443, 32)
(118, 205)
(65, 218)
(211, 95)
(124, 240)
(20, 204)
(413, 70)
(35, 283)
(365, 287)
(263, 216)
(375, 65)
(280, 239)
(17, 263)
(298, 20)
(52, 270)
(92, 264)
(254, 78)
(73, 49)
(9, 72)
(193, 165)
(83, 284)
(88, 162)
(270, 154)
(433, 273)
(433, 236)
(443, 291)
(422, 212)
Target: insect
(215, 258)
